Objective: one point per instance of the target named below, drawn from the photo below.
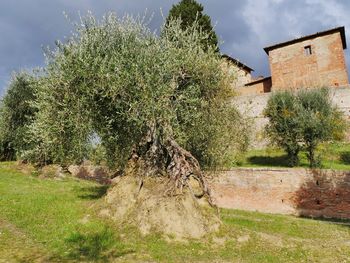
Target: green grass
(334, 156)
(47, 220)
(54, 214)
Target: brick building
(241, 72)
(310, 61)
(314, 60)
(244, 82)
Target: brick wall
(256, 87)
(292, 68)
(284, 191)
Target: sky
(244, 27)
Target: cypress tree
(190, 11)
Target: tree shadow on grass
(276, 161)
(93, 192)
(345, 157)
(100, 246)
(336, 221)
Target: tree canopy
(190, 12)
(145, 98)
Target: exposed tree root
(163, 190)
(142, 203)
(157, 157)
(183, 168)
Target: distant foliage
(190, 12)
(16, 113)
(302, 120)
(117, 81)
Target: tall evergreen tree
(190, 11)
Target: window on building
(307, 50)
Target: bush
(302, 120)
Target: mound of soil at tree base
(87, 171)
(143, 203)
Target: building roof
(238, 63)
(257, 81)
(341, 30)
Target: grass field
(334, 156)
(48, 220)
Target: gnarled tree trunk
(162, 189)
(159, 156)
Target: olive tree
(16, 112)
(320, 121)
(157, 103)
(284, 128)
(301, 120)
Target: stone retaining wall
(301, 192)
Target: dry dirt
(142, 203)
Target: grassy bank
(334, 156)
(56, 221)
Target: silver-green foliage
(301, 120)
(320, 121)
(117, 79)
(284, 129)
(16, 112)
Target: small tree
(283, 128)
(320, 121)
(191, 12)
(16, 113)
(156, 104)
(301, 121)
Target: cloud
(244, 26)
(274, 21)
(27, 26)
